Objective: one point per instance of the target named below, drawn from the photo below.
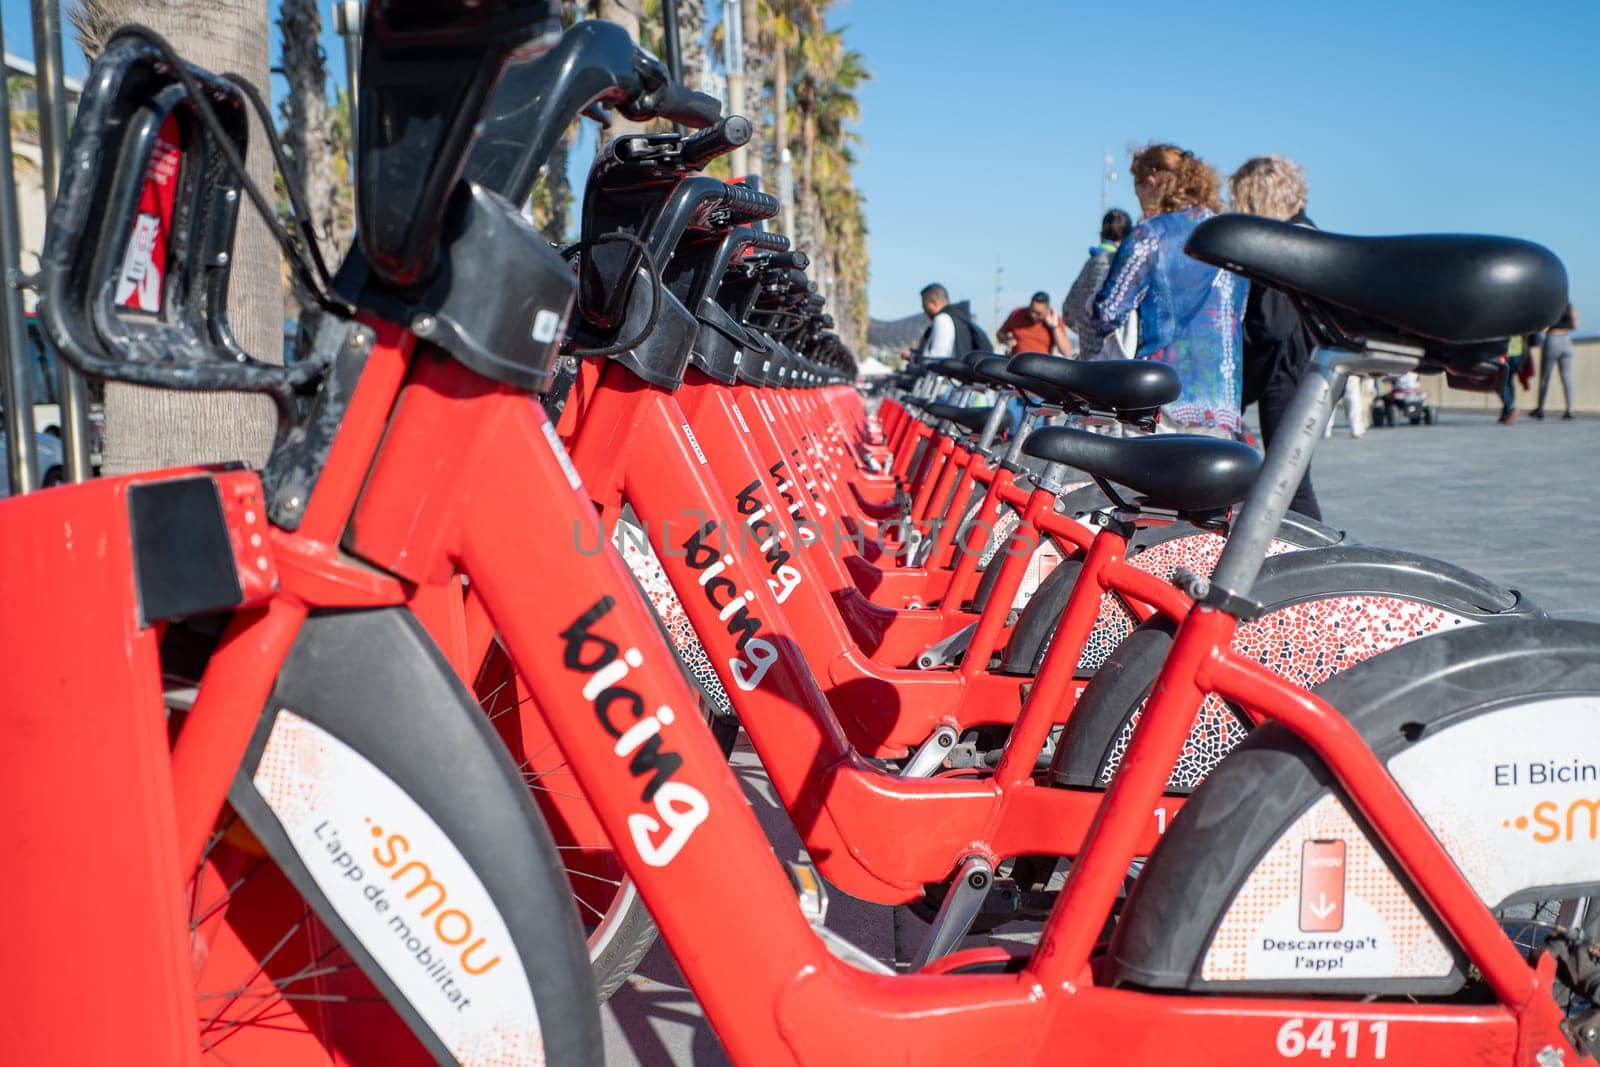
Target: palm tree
(24, 122)
(307, 125)
(692, 39)
(829, 219)
(155, 428)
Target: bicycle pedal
(809, 891)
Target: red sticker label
(144, 265)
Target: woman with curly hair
(1188, 311)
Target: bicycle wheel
(272, 983)
(1475, 725)
(1159, 550)
(617, 926)
(1326, 610)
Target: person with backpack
(951, 331)
(1078, 308)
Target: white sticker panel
(1513, 794)
(694, 443)
(405, 891)
(1323, 904)
(561, 452)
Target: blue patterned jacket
(1189, 315)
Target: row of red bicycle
(408, 745)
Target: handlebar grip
(745, 204)
(778, 264)
(678, 104)
(766, 241)
(701, 148)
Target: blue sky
(984, 125)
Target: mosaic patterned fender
(1307, 643)
(652, 579)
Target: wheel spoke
(594, 877)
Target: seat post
(1257, 520)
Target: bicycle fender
(1327, 609)
(1281, 884)
(382, 791)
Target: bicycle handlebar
(678, 104)
(787, 259)
(536, 99)
(742, 204)
(719, 139)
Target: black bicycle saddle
(1182, 472)
(1428, 289)
(1105, 384)
(973, 419)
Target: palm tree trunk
(806, 197)
(308, 129)
(148, 428)
(691, 36)
(780, 132)
(559, 187)
(755, 70)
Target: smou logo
(451, 923)
(677, 808)
(1552, 821)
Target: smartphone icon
(1322, 886)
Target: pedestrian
(1276, 346)
(1357, 406)
(1078, 308)
(1035, 328)
(1188, 311)
(1517, 355)
(950, 331)
(1557, 350)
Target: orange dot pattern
(1417, 949)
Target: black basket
(133, 279)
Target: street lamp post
(1107, 176)
(52, 97)
(347, 23)
(733, 58)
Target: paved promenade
(1514, 503)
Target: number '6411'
(1328, 1038)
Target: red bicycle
(326, 717)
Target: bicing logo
(677, 808)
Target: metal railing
(16, 374)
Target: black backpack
(978, 341)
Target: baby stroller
(1404, 400)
